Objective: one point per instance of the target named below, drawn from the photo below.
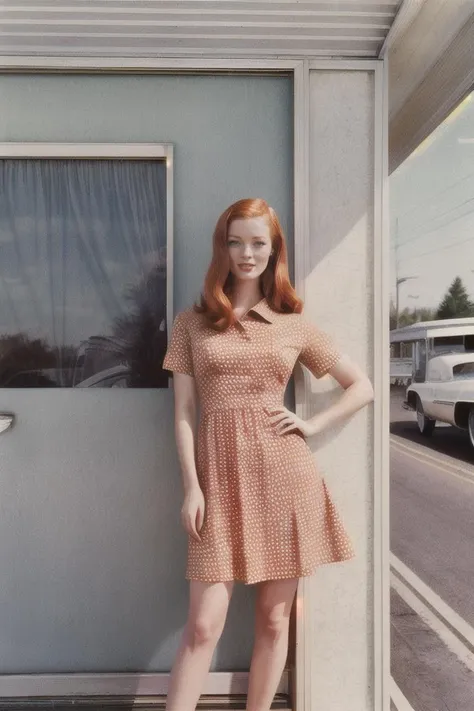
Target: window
(463, 371)
(83, 267)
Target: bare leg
(208, 607)
(274, 600)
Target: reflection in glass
(432, 419)
(82, 273)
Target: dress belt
(242, 402)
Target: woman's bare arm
(185, 422)
(358, 392)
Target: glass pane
(82, 273)
(432, 419)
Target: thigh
(209, 601)
(276, 597)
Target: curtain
(82, 273)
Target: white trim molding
(381, 521)
(302, 686)
(143, 65)
(15, 686)
(406, 14)
(117, 151)
(79, 151)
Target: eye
(262, 244)
(232, 241)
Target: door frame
(148, 684)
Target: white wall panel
(339, 297)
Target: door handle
(6, 421)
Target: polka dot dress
(269, 514)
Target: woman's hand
(284, 420)
(192, 512)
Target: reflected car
(114, 377)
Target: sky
(432, 213)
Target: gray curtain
(82, 273)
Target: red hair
(275, 281)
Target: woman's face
(249, 244)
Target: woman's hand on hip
(283, 420)
(192, 512)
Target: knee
(272, 623)
(203, 631)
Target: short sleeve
(318, 352)
(178, 356)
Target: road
(432, 545)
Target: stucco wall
(339, 298)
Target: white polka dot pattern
(269, 514)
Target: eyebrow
(253, 237)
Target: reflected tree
(142, 332)
(25, 362)
(30, 362)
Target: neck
(246, 294)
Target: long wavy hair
(275, 281)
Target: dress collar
(262, 308)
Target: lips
(247, 267)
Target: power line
(433, 219)
(440, 192)
(450, 222)
(440, 249)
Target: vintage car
(446, 395)
(441, 387)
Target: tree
(456, 302)
(408, 316)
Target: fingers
(282, 412)
(284, 424)
(285, 421)
(192, 522)
(193, 531)
(188, 525)
(199, 518)
(289, 428)
(284, 415)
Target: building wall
(336, 610)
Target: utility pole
(399, 280)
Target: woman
(255, 507)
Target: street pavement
(432, 546)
